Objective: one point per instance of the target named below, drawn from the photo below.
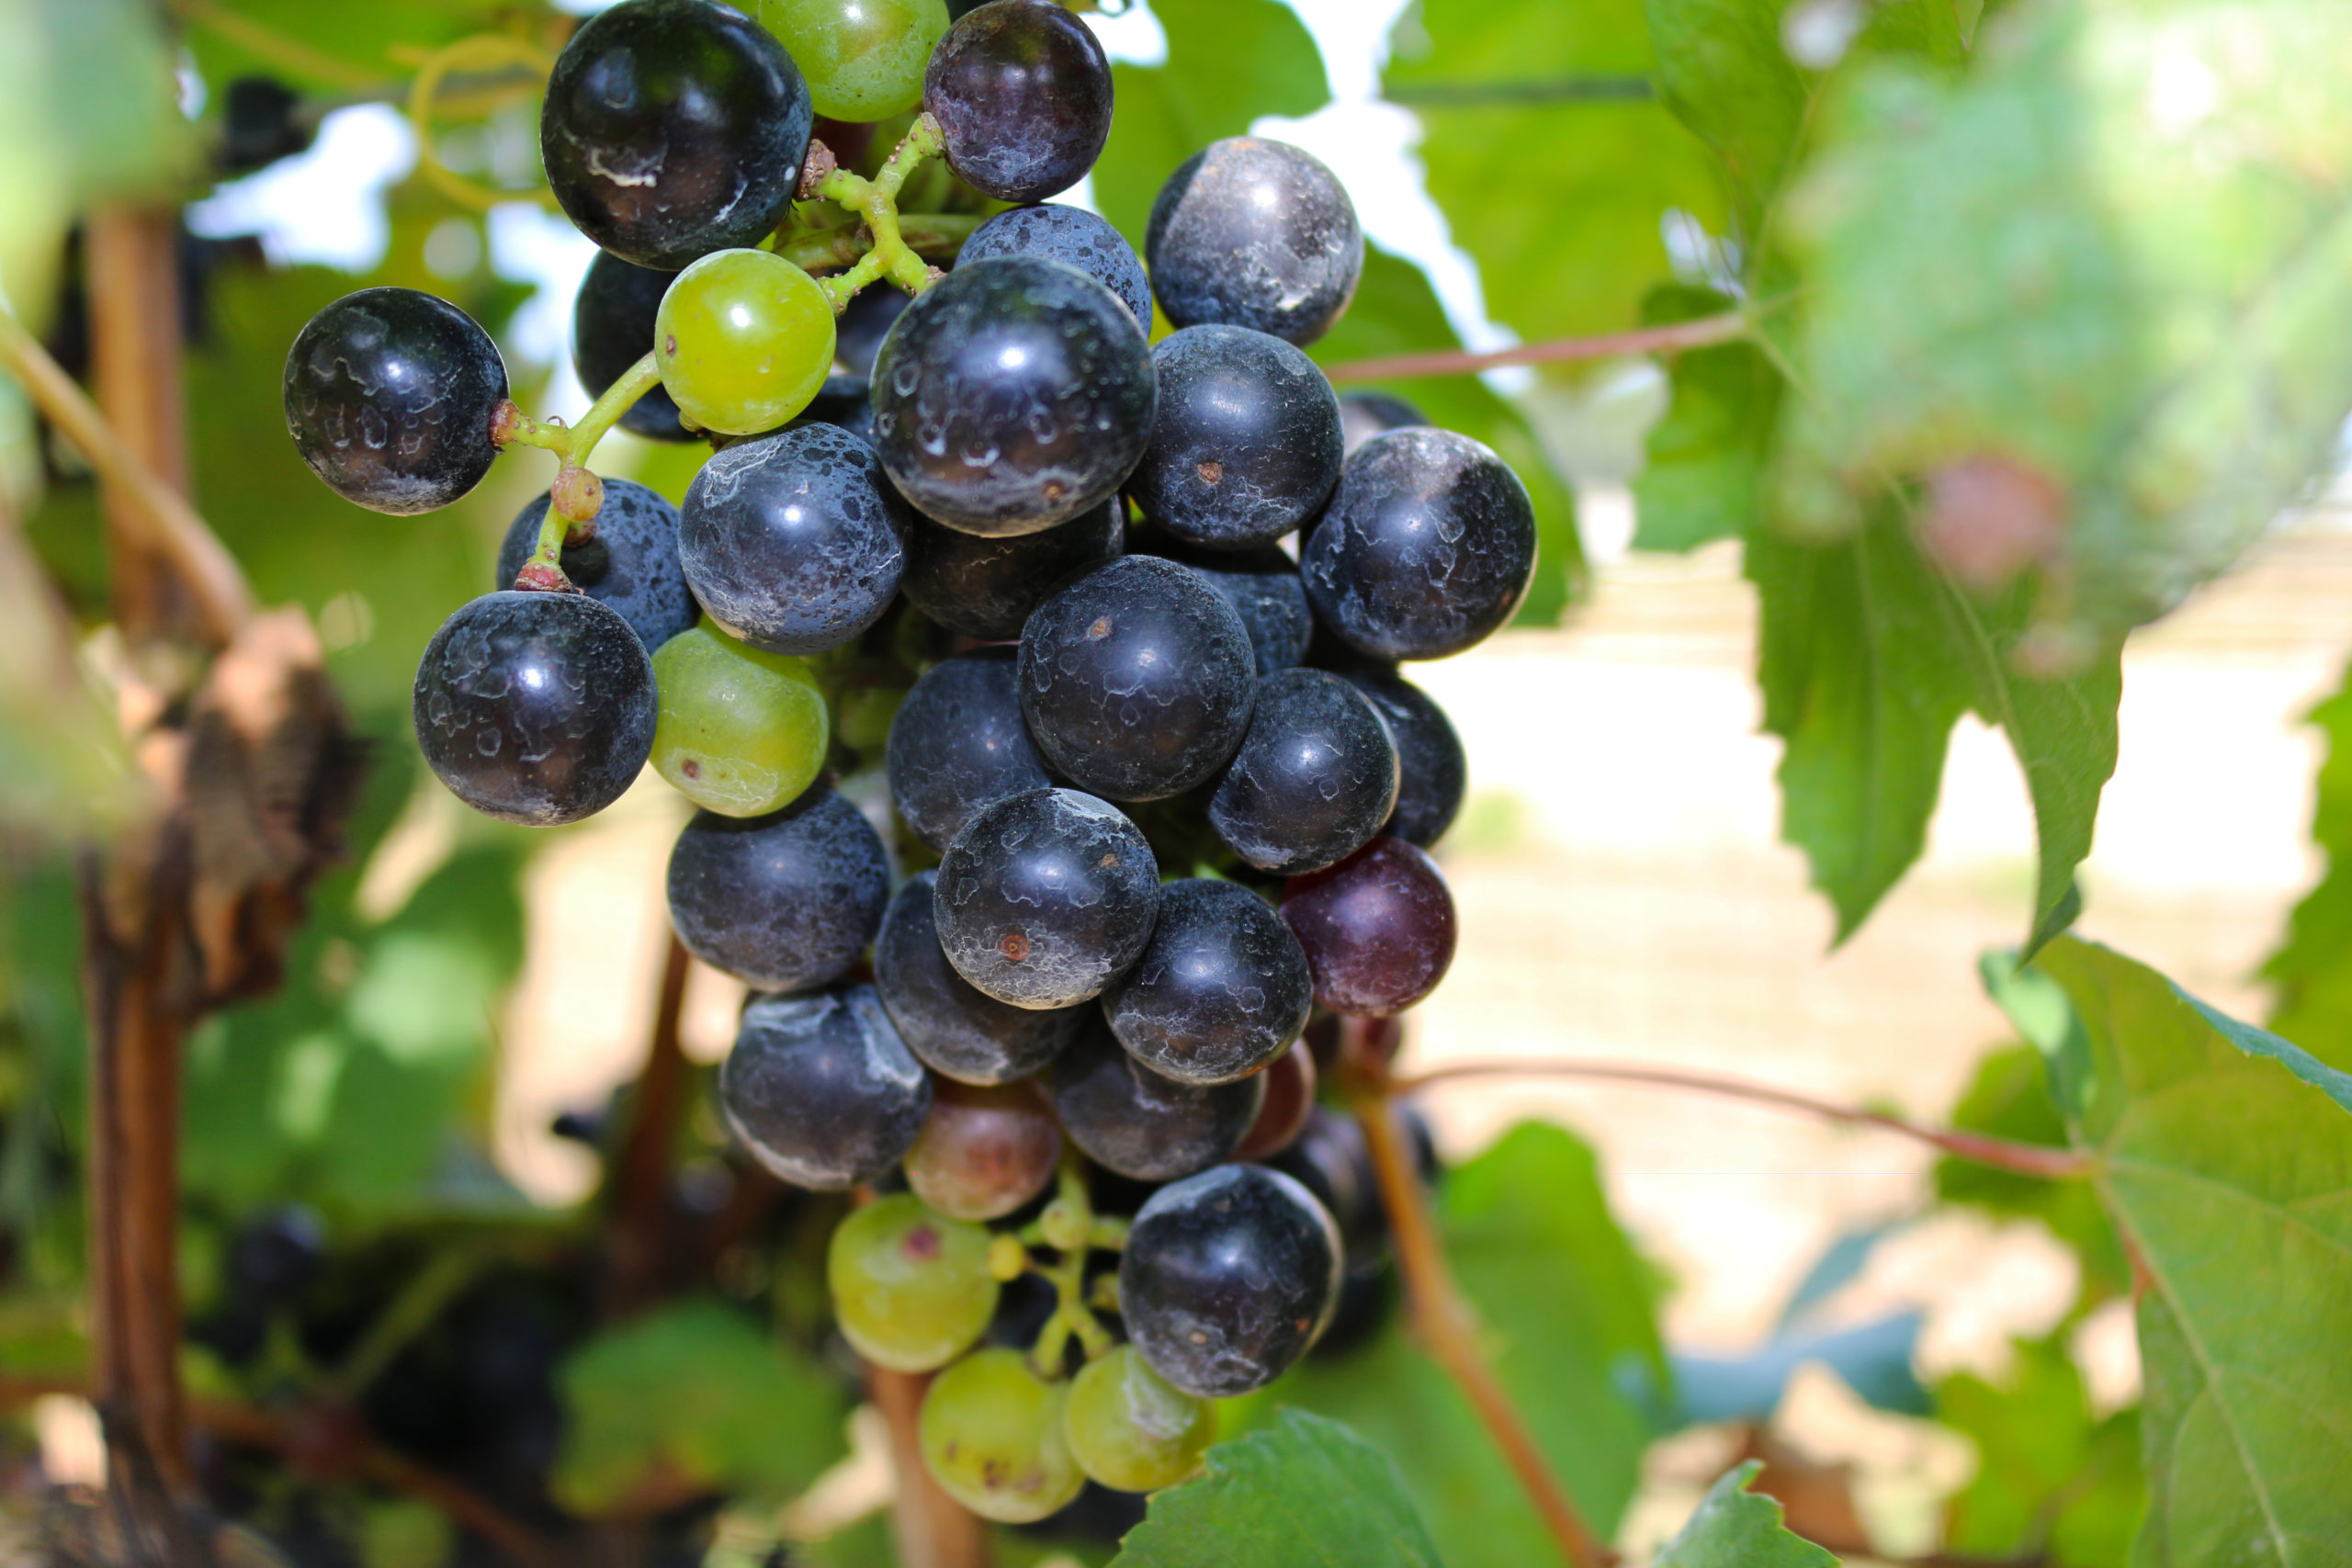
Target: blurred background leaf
(1549, 155)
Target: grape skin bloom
(821, 1089)
(1014, 394)
(792, 543)
(535, 708)
(389, 395)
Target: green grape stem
(936, 235)
(1073, 1316)
(876, 201)
(573, 445)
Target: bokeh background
(1623, 892)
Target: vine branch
(2004, 1154)
(221, 600)
(1447, 1331)
(1728, 327)
(640, 1234)
(253, 1426)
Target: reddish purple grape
(983, 1152)
(1290, 1096)
(1378, 928)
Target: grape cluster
(1086, 645)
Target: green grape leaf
(1724, 70)
(1859, 682)
(1304, 1490)
(1229, 62)
(1867, 658)
(1397, 312)
(2049, 1476)
(2312, 969)
(1562, 203)
(331, 48)
(1569, 1317)
(1735, 1528)
(2010, 1097)
(693, 1397)
(2225, 1162)
(1703, 477)
(1723, 73)
(2115, 254)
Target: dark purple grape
(673, 129)
(1014, 394)
(782, 902)
(1255, 234)
(986, 588)
(1069, 234)
(1432, 771)
(1129, 1120)
(1137, 680)
(1245, 447)
(1021, 92)
(535, 708)
(845, 402)
(821, 1089)
(1363, 415)
(262, 120)
(863, 324)
(1261, 585)
(1290, 1097)
(612, 328)
(1367, 1297)
(1045, 897)
(1378, 928)
(390, 395)
(960, 1031)
(631, 566)
(1221, 989)
(1330, 1160)
(1314, 780)
(792, 542)
(957, 744)
(1228, 1278)
(1427, 548)
(274, 1254)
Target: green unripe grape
(912, 1289)
(864, 59)
(991, 1435)
(1131, 1428)
(739, 731)
(743, 339)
